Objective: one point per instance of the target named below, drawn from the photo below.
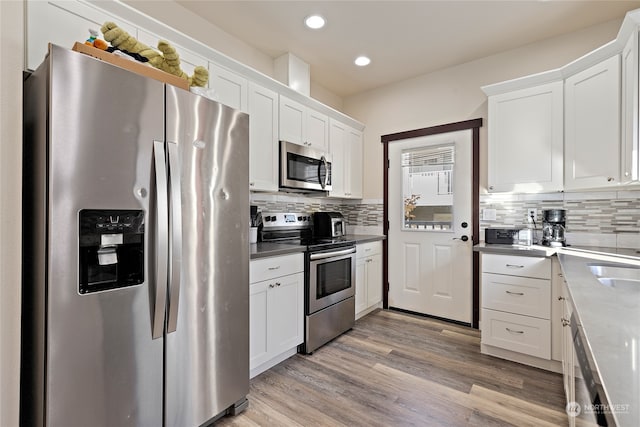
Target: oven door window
(333, 277)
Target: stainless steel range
(330, 275)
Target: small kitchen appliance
(503, 236)
(329, 224)
(553, 227)
(330, 276)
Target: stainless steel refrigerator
(136, 262)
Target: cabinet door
(629, 116)
(592, 113)
(374, 280)
(62, 23)
(188, 60)
(292, 121)
(557, 302)
(361, 284)
(354, 165)
(258, 324)
(338, 146)
(263, 138)
(317, 130)
(285, 305)
(568, 354)
(525, 140)
(230, 88)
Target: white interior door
(430, 223)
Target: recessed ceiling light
(314, 22)
(362, 61)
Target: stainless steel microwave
(303, 168)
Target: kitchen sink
(613, 275)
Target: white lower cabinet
(522, 334)
(276, 310)
(557, 309)
(516, 308)
(568, 353)
(368, 277)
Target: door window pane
(427, 188)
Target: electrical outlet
(488, 214)
(532, 213)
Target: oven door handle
(324, 255)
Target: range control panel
(271, 220)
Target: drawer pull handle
(274, 268)
(560, 298)
(515, 293)
(271, 286)
(277, 283)
(514, 266)
(565, 322)
(513, 331)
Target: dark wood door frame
(473, 125)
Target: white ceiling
(404, 39)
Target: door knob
(463, 238)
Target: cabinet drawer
(518, 295)
(367, 249)
(522, 334)
(269, 268)
(514, 265)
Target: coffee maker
(553, 227)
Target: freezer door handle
(175, 235)
(162, 241)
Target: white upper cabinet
(188, 60)
(263, 138)
(354, 169)
(62, 23)
(302, 125)
(592, 126)
(629, 117)
(345, 145)
(230, 88)
(526, 140)
(338, 145)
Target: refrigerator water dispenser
(111, 249)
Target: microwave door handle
(175, 236)
(162, 244)
(326, 174)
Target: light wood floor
(395, 369)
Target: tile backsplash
(609, 219)
(362, 216)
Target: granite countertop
(521, 250)
(610, 317)
(268, 249)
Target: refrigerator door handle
(162, 241)
(175, 235)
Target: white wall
(454, 94)
(11, 64)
